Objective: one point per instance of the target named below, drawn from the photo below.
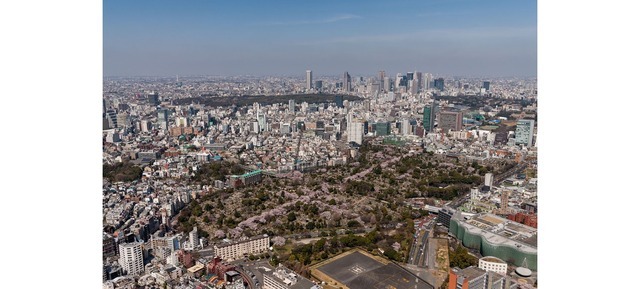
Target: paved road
(515, 170)
(418, 255)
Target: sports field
(357, 269)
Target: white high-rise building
(386, 84)
(398, 80)
(488, 179)
(355, 130)
(524, 132)
(414, 84)
(193, 238)
(131, 258)
(428, 79)
(417, 75)
(292, 106)
(309, 80)
(405, 127)
(262, 121)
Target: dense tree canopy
(211, 172)
(121, 172)
(461, 258)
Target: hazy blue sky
(206, 37)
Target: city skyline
(471, 38)
(319, 124)
(60, 50)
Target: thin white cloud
(333, 19)
(340, 18)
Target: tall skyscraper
(292, 106)
(414, 86)
(488, 180)
(153, 98)
(112, 118)
(428, 81)
(428, 117)
(131, 258)
(309, 80)
(383, 128)
(339, 99)
(262, 121)
(439, 84)
(418, 76)
(524, 132)
(404, 81)
(386, 84)
(355, 129)
(346, 82)
(163, 119)
(485, 85)
(405, 127)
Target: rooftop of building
(196, 268)
(227, 242)
(286, 276)
(134, 244)
(493, 259)
(501, 231)
(471, 272)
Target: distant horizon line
(303, 76)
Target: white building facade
(492, 264)
(355, 130)
(131, 258)
(524, 132)
(236, 250)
